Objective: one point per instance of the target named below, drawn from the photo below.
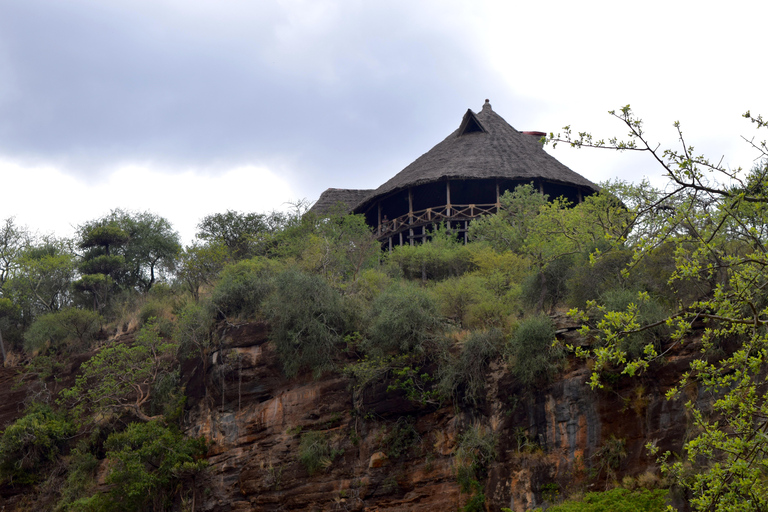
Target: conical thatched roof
(484, 146)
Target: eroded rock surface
(551, 441)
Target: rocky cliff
(387, 453)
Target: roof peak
(470, 124)
(487, 106)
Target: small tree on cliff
(718, 231)
(121, 378)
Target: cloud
(50, 201)
(96, 86)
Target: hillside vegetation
(638, 268)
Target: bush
(463, 376)
(193, 331)
(616, 500)
(30, 442)
(546, 289)
(149, 462)
(403, 319)
(308, 321)
(590, 280)
(159, 312)
(11, 322)
(315, 452)
(67, 325)
(649, 311)
(81, 479)
(459, 297)
(401, 438)
(475, 451)
(243, 287)
(533, 359)
(442, 257)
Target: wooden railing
(440, 214)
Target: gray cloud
(325, 90)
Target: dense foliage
(639, 268)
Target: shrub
(32, 441)
(442, 257)
(503, 271)
(81, 476)
(476, 449)
(533, 358)
(67, 325)
(193, 331)
(243, 287)
(649, 311)
(308, 322)
(616, 500)
(403, 319)
(315, 452)
(459, 297)
(589, 280)
(463, 376)
(401, 438)
(149, 463)
(11, 322)
(159, 312)
(546, 289)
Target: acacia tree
(132, 248)
(239, 232)
(718, 230)
(42, 279)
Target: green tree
(121, 378)
(339, 247)
(13, 240)
(717, 229)
(55, 328)
(32, 441)
(240, 233)
(403, 319)
(150, 464)
(43, 278)
(533, 358)
(308, 322)
(199, 265)
(146, 242)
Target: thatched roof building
(460, 178)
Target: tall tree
(239, 232)
(43, 277)
(717, 229)
(13, 240)
(133, 248)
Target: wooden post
(498, 201)
(378, 204)
(410, 205)
(448, 198)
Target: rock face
(385, 453)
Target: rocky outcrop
(390, 454)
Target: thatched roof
(484, 146)
(332, 197)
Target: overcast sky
(189, 107)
